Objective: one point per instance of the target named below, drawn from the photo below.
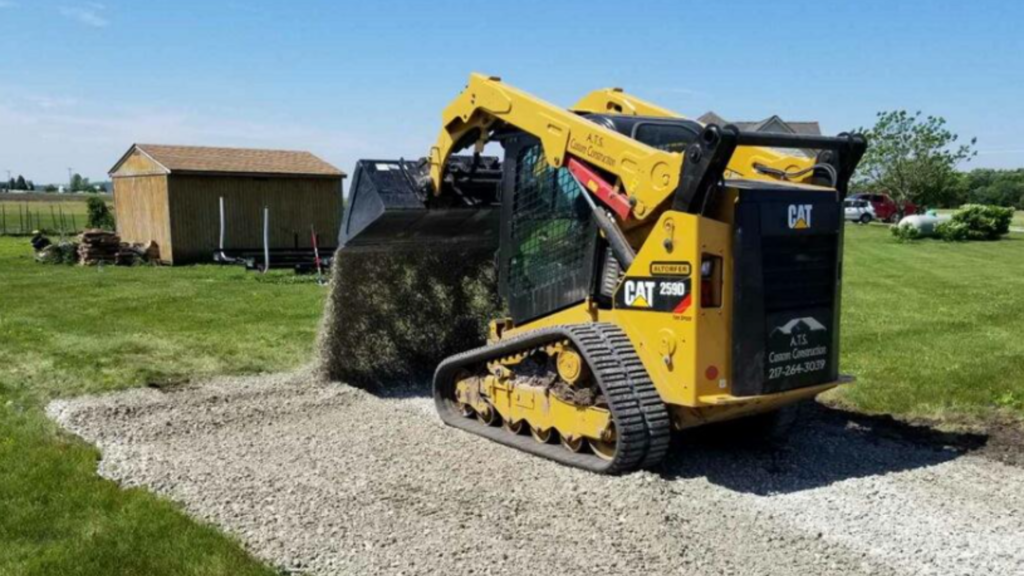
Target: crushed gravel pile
(394, 316)
(331, 479)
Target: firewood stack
(98, 247)
(133, 254)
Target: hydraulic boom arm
(647, 175)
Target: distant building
(773, 124)
(171, 195)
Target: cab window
(667, 137)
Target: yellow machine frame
(687, 355)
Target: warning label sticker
(670, 269)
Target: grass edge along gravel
(69, 330)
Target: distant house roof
(770, 124)
(203, 159)
(773, 124)
(712, 118)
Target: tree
(50, 188)
(99, 214)
(30, 185)
(79, 184)
(20, 183)
(995, 187)
(913, 158)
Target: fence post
(39, 221)
(63, 225)
(21, 220)
(220, 243)
(3, 218)
(53, 218)
(266, 238)
(74, 225)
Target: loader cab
(551, 256)
(668, 134)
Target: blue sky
(81, 81)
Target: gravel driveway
(330, 479)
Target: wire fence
(23, 218)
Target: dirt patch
(999, 436)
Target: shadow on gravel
(824, 446)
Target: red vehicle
(885, 207)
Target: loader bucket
(390, 207)
(413, 280)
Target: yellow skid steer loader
(658, 273)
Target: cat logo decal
(800, 216)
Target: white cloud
(53, 102)
(87, 14)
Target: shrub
(904, 233)
(977, 222)
(60, 253)
(100, 215)
(952, 231)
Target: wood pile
(132, 254)
(98, 247)
(103, 247)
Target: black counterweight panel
(787, 262)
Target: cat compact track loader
(658, 273)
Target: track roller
(638, 433)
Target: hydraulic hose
(623, 252)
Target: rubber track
(641, 420)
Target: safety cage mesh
(551, 235)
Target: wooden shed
(171, 195)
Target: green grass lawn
(931, 329)
(67, 330)
(18, 216)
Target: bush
(100, 215)
(976, 222)
(60, 253)
(904, 233)
(953, 231)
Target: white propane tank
(924, 223)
